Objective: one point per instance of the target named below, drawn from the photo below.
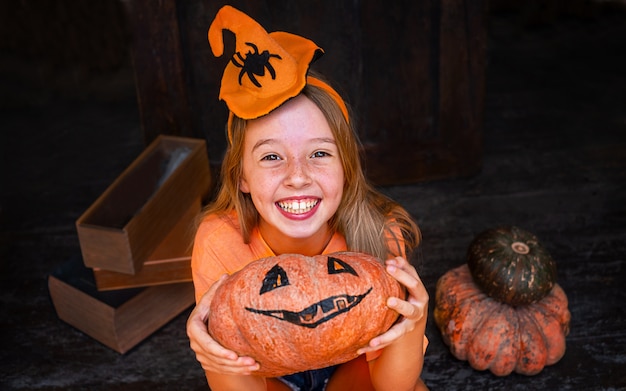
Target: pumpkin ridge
(482, 352)
(464, 285)
(556, 304)
(455, 300)
(552, 332)
(507, 352)
(464, 325)
(466, 290)
(532, 346)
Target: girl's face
(293, 172)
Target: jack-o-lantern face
(293, 313)
(319, 312)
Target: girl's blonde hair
(365, 217)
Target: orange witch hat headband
(266, 69)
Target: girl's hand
(413, 310)
(212, 356)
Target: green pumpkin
(511, 266)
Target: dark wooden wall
(413, 72)
(91, 36)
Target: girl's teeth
(298, 207)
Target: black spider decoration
(255, 64)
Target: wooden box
(413, 72)
(120, 230)
(118, 319)
(169, 263)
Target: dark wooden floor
(554, 164)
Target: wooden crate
(120, 230)
(169, 263)
(118, 319)
(413, 72)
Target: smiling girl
(292, 182)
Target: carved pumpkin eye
(337, 266)
(275, 278)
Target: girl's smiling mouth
(298, 207)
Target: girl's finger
(384, 339)
(409, 310)
(410, 279)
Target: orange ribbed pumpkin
(493, 335)
(293, 313)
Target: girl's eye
(270, 157)
(320, 154)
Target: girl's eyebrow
(328, 140)
(262, 142)
(269, 141)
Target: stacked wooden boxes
(135, 239)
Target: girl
(292, 183)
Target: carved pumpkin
(510, 265)
(293, 313)
(507, 332)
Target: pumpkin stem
(520, 248)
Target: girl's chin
(299, 234)
(296, 231)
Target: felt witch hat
(267, 69)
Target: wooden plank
(159, 68)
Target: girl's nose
(298, 174)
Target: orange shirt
(219, 249)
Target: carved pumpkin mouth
(317, 313)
